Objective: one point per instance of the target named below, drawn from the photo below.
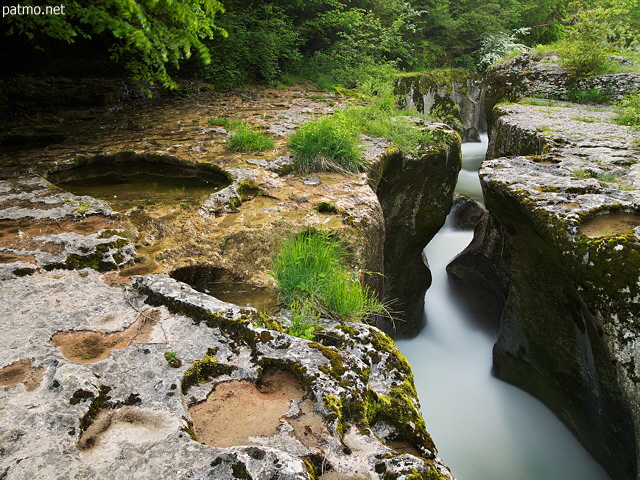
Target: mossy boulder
(416, 194)
(451, 95)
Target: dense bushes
(330, 41)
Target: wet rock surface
(102, 372)
(569, 329)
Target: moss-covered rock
(416, 194)
(450, 95)
(569, 327)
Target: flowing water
(484, 428)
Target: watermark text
(33, 10)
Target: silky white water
(484, 429)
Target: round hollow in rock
(21, 371)
(238, 410)
(127, 424)
(89, 347)
(605, 224)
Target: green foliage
(591, 95)
(311, 273)
(262, 40)
(581, 174)
(304, 319)
(595, 30)
(326, 207)
(172, 359)
(497, 47)
(247, 138)
(327, 144)
(145, 36)
(331, 142)
(629, 110)
(219, 122)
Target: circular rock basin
(263, 299)
(222, 284)
(606, 224)
(131, 181)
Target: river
(484, 429)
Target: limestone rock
(530, 75)
(416, 194)
(86, 419)
(454, 96)
(103, 376)
(568, 204)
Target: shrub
(249, 139)
(629, 110)
(311, 273)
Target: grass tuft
(313, 277)
(328, 144)
(247, 138)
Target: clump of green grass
(219, 122)
(312, 276)
(588, 95)
(247, 138)
(330, 143)
(327, 144)
(586, 119)
(538, 102)
(581, 174)
(628, 109)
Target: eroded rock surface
(90, 383)
(532, 75)
(133, 407)
(416, 194)
(455, 96)
(569, 329)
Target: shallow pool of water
(127, 185)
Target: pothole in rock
(241, 413)
(129, 424)
(221, 284)
(87, 346)
(129, 181)
(21, 371)
(601, 225)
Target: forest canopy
(330, 41)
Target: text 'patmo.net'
(20, 10)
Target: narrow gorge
(139, 315)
